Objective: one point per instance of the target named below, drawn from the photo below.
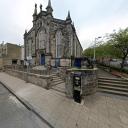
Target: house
(10, 54)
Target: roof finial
(40, 7)
(49, 8)
(68, 17)
(35, 11)
(25, 31)
(49, 3)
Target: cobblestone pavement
(97, 111)
(14, 115)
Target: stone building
(51, 40)
(22, 55)
(9, 54)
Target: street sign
(29, 57)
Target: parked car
(126, 63)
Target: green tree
(115, 47)
(120, 42)
(88, 52)
(103, 50)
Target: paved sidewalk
(102, 73)
(98, 111)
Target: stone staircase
(58, 84)
(115, 86)
(56, 79)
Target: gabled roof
(59, 21)
(42, 13)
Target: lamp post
(94, 54)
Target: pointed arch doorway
(42, 59)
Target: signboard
(28, 60)
(29, 57)
(77, 87)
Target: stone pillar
(89, 81)
(69, 85)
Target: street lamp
(94, 55)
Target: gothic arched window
(58, 44)
(42, 39)
(29, 47)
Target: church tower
(49, 8)
(68, 19)
(35, 15)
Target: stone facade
(89, 81)
(40, 80)
(22, 55)
(9, 54)
(51, 38)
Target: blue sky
(92, 18)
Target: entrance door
(57, 62)
(77, 62)
(42, 59)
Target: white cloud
(92, 18)
(88, 33)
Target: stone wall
(40, 72)
(1, 62)
(52, 62)
(41, 80)
(13, 51)
(89, 81)
(9, 54)
(62, 73)
(65, 62)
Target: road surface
(15, 115)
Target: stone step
(53, 75)
(56, 83)
(114, 88)
(56, 77)
(61, 89)
(113, 81)
(113, 92)
(112, 84)
(57, 80)
(60, 86)
(53, 72)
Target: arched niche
(42, 38)
(58, 44)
